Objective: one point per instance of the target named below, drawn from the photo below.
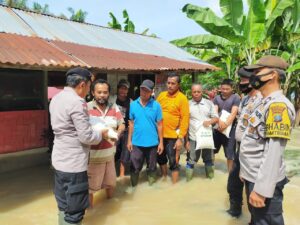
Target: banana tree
(40, 9)
(128, 24)
(78, 16)
(114, 22)
(249, 34)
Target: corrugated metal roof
(108, 59)
(16, 49)
(53, 28)
(36, 51)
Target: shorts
(229, 144)
(170, 154)
(101, 175)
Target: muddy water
(26, 198)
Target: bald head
(197, 92)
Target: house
(36, 50)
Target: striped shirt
(112, 117)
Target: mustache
(102, 100)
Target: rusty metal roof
(120, 60)
(16, 49)
(34, 51)
(53, 28)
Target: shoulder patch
(278, 123)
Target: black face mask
(245, 88)
(256, 82)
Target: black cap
(148, 84)
(123, 83)
(244, 73)
(79, 71)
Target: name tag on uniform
(278, 123)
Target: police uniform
(234, 184)
(73, 137)
(261, 155)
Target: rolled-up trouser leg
(173, 158)
(72, 196)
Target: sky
(163, 17)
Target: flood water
(26, 198)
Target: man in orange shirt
(175, 108)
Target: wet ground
(26, 198)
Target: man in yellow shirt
(175, 108)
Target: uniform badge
(252, 120)
(245, 120)
(278, 123)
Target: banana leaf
(277, 12)
(233, 13)
(294, 67)
(254, 30)
(204, 40)
(296, 15)
(207, 19)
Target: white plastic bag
(98, 124)
(204, 138)
(224, 116)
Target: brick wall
(22, 130)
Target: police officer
(251, 100)
(73, 135)
(263, 143)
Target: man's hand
(242, 179)
(256, 200)
(222, 126)
(206, 123)
(129, 145)
(187, 146)
(178, 145)
(160, 148)
(104, 134)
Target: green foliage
(78, 16)
(128, 24)
(21, 4)
(186, 84)
(233, 13)
(208, 20)
(211, 80)
(270, 27)
(40, 9)
(114, 22)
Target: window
(21, 90)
